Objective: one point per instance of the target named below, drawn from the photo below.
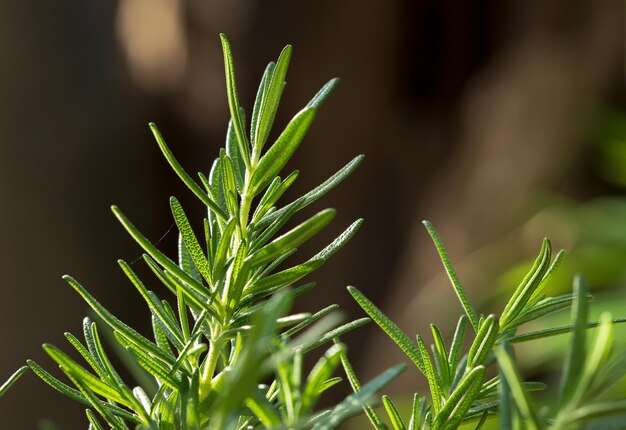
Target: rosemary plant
(461, 392)
(225, 352)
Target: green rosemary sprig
(225, 331)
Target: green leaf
(485, 338)
(329, 383)
(292, 319)
(591, 412)
(161, 258)
(127, 332)
(595, 360)
(70, 366)
(229, 184)
(393, 331)
(527, 288)
(457, 344)
(160, 336)
(14, 377)
(235, 277)
(90, 333)
(323, 93)
(339, 331)
(418, 412)
(441, 357)
(545, 307)
(393, 414)
(193, 186)
(507, 367)
(286, 277)
(489, 389)
(261, 237)
(215, 188)
(259, 99)
(459, 402)
(233, 102)
(310, 320)
(263, 410)
(156, 307)
(281, 151)
(339, 242)
(93, 420)
(223, 247)
(292, 239)
(232, 150)
(316, 192)
(56, 384)
(505, 397)
(183, 317)
(91, 360)
(155, 368)
(143, 398)
(555, 331)
(185, 262)
(322, 370)
(575, 360)
(547, 277)
(275, 190)
(271, 99)
(609, 374)
(94, 345)
(287, 390)
(454, 278)
(197, 301)
(429, 371)
(97, 404)
(190, 240)
(292, 293)
(75, 394)
(374, 418)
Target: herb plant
(225, 354)
(460, 390)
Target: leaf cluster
(225, 353)
(460, 389)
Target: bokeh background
(499, 121)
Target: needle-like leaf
(292, 239)
(518, 393)
(271, 98)
(191, 242)
(393, 331)
(193, 186)
(454, 278)
(233, 102)
(529, 285)
(281, 151)
(14, 377)
(392, 412)
(575, 360)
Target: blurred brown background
(477, 115)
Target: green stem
(208, 368)
(244, 213)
